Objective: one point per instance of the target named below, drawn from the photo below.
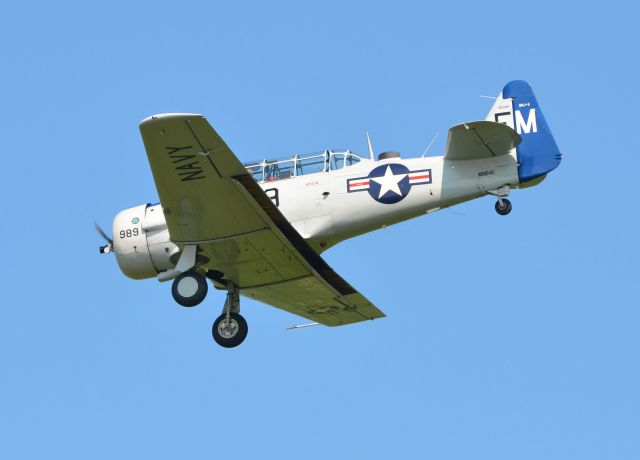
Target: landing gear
(503, 206)
(229, 332)
(189, 289)
(230, 329)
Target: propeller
(107, 248)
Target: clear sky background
(507, 337)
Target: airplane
(258, 229)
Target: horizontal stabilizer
(480, 139)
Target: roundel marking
(389, 183)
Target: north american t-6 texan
(258, 229)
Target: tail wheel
(503, 207)
(189, 289)
(232, 333)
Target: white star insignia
(389, 182)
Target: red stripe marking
(426, 176)
(355, 184)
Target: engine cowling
(141, 242)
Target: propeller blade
(107, 247)
(102, 233)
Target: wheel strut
(232, 302)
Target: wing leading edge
(210, 200)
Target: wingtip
(169, 116)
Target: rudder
(518, 108)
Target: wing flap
(310, 298)
(257, 259)
(480, 139)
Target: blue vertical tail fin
(518, 107)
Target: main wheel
(504, 208)
(232, 334)
(189, 289)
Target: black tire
(505, 208)
(231, 338)
(189, 289)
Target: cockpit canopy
(299, 165)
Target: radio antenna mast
(370, 147)
(430, 144)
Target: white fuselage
(324, 211)
(331, 206)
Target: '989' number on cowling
(128, 233)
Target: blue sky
(506, 338)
